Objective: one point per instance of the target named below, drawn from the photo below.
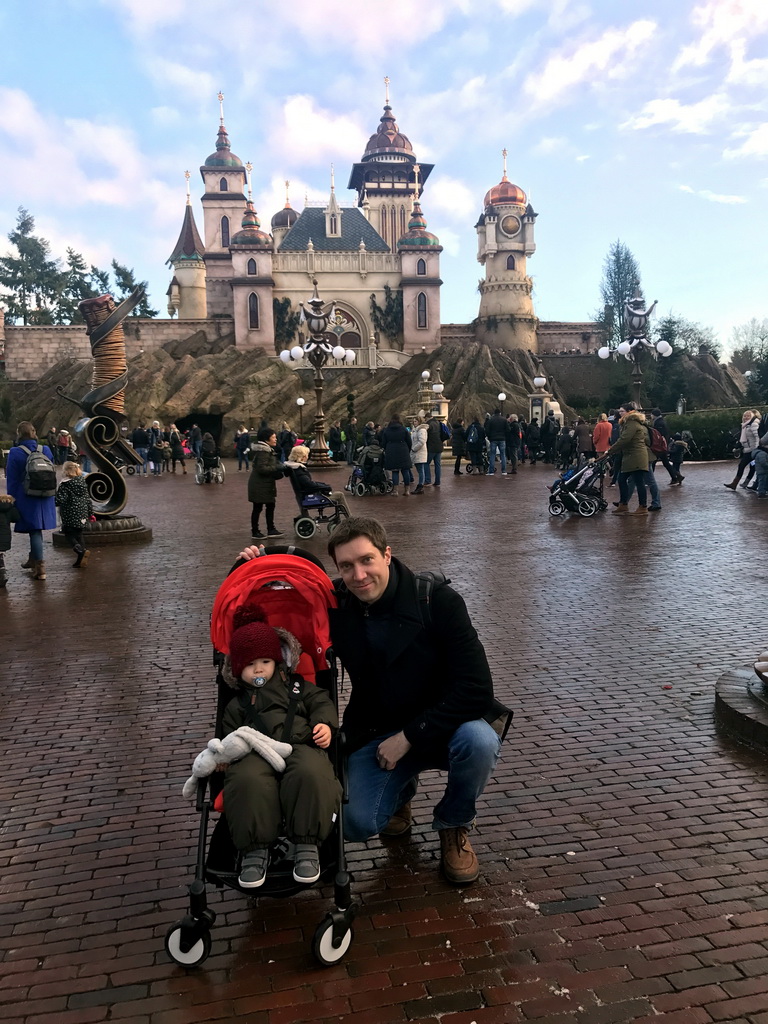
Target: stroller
(579, 490)
(209, 469)
(483, 463)
(369, 475)
(316, 510)
(296, 593)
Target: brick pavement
(623, 842)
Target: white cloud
(179, 79)
(582, 157)
(306, 134)
(451, 241)
(722, 23)
(693, 118)
(755, 144)
(713, 197)
(450, 197)
(611, 55)
(548, 145)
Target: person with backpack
(31, 481)
(533, 440)
(476, 442)
(435, 441)
(514, 442)
(421, 695)
(496, 432)
(660, 444)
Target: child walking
(8, 514)
(75, 509)
(261, 803)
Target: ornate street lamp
(300, 403)
(502, 397)
(636, 318)
(317, 351)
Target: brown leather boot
(641, 510)
(457, 858)
(400, 823)
(38, 572)
(620, 510)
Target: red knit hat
(252, 638)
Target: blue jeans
(432, 457)
(242, 457)
(653, 487)
(502, 450)
(375, 794)
(143, 453)
(421, 469)
(407, 476)
(36, 545)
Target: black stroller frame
(582, 492)
(188, 942)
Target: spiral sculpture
(98, 432)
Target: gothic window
(510, 262)
(223, 186)
(333, 224)
(393, 215)
(252, 267)
(421, 310)
(402, 221)
(253, 311)
(421, 268)
(384, 223)
(225, 232)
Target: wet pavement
(622, 840)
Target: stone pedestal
(737, 712)
(122, 529)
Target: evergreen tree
(126, 284)
(286, 323)
(388, 320)
(685, 336)
(79, 284)
(34, 281)
(621, 278)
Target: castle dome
(285, 218)
(223, 157)
(251, 235)
(417, 236)
(388, 138)
(505, 193)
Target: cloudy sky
(644, 120)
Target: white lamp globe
(285, 355)
(438, 388)
(297, 352)
(501, 396)
(623, 348)
(539, 382)
(349, 356)
(664, 348)
(425, 375)
(667, 351)
(339, 352)
(300, 402)
(604, 352)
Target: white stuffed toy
(232, 748)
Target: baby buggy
(579, 491)
(479, 461)
(209, 469)
(318, 509)
(369, 475)
(293, 589)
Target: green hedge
(714, 433)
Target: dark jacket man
(434, 436)
(496, 428)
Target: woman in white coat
(419, 453)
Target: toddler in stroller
(280, 797)
(369, 475)
(318, 502)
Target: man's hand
(321, 734)
(252, 552)
(391, 750)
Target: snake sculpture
(98, 432)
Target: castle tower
(283, 221)
(186, 294)
(252, 282)
(504, 242)
(385, 178)
(419, 253)
(224, 179)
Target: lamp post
(502, 399)
(636, 319)
(317, 351)
(300, 403)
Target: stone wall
(31, 351)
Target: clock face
(510, 225)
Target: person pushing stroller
(263, 802)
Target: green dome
(417, 235)
(223, 157)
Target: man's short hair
(354, 527)
(655, 412)
(264, 433)
(26, 431)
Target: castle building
(355, 251)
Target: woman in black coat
(458, 439)
(396, 442)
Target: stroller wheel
(556, 508)
(587, 507)
(383, 488)
(130, 470)
(193, 957)
(322, 944)
(305, 527)
(360, 490)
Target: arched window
(510, 262)
(384, 223)
(252, 267)
(223, 185)
(421, 268)
(393, 216)
(421, 310)
(225, 232)
(333, 224)
(253, 311)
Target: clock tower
(504, 243)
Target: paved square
(622, 841)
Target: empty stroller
(291, 587)
(369, 475)
(579, 490)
